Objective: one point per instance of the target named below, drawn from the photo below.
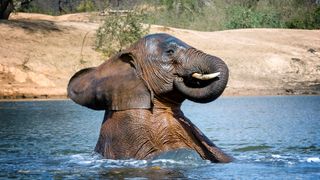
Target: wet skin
(141, 89)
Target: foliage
(311, 20)
(181, 13)
(118, 31)
(208, 15)
(181, 6)
(6, 7)
(29, 7)
(225, 14)
(86, 6)
(273, 14)
(242, 17)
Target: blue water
(270, 138)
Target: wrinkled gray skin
(143, 87)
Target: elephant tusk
(205, 76)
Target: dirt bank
(39, 53)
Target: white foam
(276, 156)
(290, 163)
(85, 159)
(165, 161)
(135, 163)
(85, 162)
(97, 161)
(313, 159)
(77, 156)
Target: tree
(119, 31)
(22, 5)
(6, 7)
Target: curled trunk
(205, 90)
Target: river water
(270, 138)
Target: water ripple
(270, 138)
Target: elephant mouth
(199, 80)
(205, 82)
(205, 76)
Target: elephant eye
(170, 52)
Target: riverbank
(39, 53)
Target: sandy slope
(39, 53)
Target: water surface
(270, 138)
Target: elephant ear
(114, 85)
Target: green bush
(208, 15)
(316, 18)
(30, 7)
(188, 14)
(118, 31)
(211, 15)
(86, 6)
(243, 17)
(310, 20)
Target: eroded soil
(39, 53)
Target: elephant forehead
(176, 42)
(152, 45)
(159, 42)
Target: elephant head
(157, 66)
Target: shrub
(118, 31)
(310, 20)
(219, 14)
(243, 17)
(86, 6)
(188, 14)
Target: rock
(40, 79)
(18, 74)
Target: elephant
(141, 90)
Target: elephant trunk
(206, 78)
(81, 90)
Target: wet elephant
(141, 90)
